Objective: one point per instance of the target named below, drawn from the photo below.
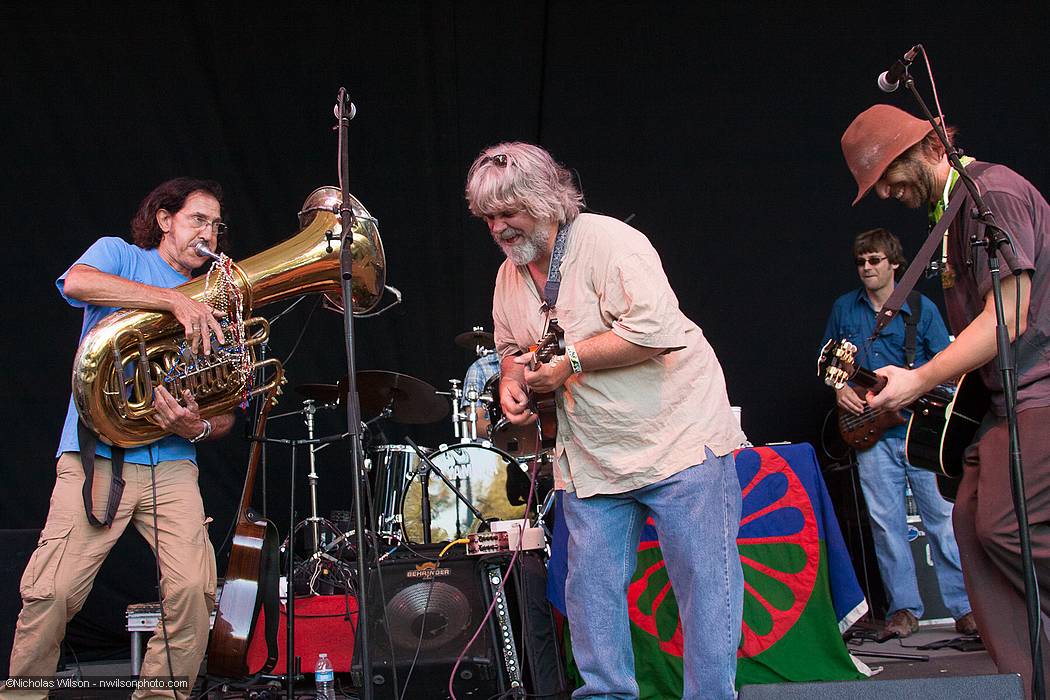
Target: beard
(921, 180)
(528, 248)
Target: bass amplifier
(426, 612)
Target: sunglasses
(872, 260)
(499, 159)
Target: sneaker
(966, 625)
(901, 624)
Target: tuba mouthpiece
(204, 251)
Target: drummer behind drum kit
(457, 488)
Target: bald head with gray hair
(518, 176)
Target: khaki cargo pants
(70, 551)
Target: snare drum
(394, 467)
(492, 480)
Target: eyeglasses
(872, 260)
(202, 222)
(499, 159)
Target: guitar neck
(869, 380)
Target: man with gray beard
(644, 423)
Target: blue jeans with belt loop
(883, 468)
(697, 516)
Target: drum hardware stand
(309, 410)
(464, 419)
(260, 380)
(424, 478)
(479, 349)
(292, 662)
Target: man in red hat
(900, 157)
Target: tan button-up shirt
(624, 428)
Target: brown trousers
(989, 545)
(61, 571)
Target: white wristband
(574, 359)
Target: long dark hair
(169, 196)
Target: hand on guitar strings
(848, 400)
(514, 400)
(903, 387)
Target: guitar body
(547, 412)
(254, 542)
(861, 432)
(251, 576)
(943, 424)
(550, 346)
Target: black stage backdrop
(715, 128)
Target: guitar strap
(269, 596)
(893, 305)
(553, 284)
(88, 441)
(911, 327)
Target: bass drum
(493, 481)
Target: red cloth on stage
(320, 627)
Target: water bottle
(324, 677)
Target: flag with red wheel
(799, 587)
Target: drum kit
(421, 495)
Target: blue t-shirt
(853, 319)
(118, 257)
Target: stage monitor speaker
(433, 608)
(999, 687)
(16, 546)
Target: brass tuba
(130, 351)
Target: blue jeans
(883, 469)
(697, 516)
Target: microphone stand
(345, 112)
(997, 241)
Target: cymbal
(325, 393)
(410, 400)
(471, 339)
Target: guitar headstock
(837, 363)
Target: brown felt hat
(874, 140)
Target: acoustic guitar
(251, 574)
(943, 421)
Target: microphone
(351, 111)
(890, 79)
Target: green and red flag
(800, 591)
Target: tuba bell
(131, 351)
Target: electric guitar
(943, 421)
(862, 431)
